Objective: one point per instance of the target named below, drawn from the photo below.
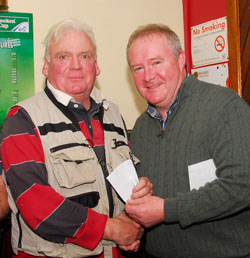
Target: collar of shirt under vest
(67, 100)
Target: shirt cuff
(91, 232)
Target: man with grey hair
(193, 143)
(58, 148)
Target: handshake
(127, 228)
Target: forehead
(73, 40)
(149, 46)
(151, 39)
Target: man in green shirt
(193, 142)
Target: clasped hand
(145, 209)
(122, 229)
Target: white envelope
(201, 173)
(123, 179)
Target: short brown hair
(152, 29)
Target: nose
(75, 63)
(148, 74)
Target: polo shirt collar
(60, 96)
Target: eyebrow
(78, 53)
(151, 59)
(156, 58)
(134, 65)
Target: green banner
(16, 60)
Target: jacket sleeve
(229, 145)
(48, 214)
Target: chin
(155, 102)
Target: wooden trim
(3, 5)
(234, 46)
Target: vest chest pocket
(73, 165)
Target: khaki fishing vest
(60, 162)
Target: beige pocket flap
(74, 166)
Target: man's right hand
(147, 211)
(123, 231)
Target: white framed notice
(217, 74)
(209, 44)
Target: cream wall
(112, 22)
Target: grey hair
(55, 33)
(156, 29)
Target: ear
(45, 70)
(182, 60)
(97, 69)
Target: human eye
(137, 69)
(62, 57)
(85, 56)
(156, 62)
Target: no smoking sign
(209, 42)
(219, 43)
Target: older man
(58, 148)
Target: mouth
(75, 78)
(154, 86)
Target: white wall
(112, 21)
